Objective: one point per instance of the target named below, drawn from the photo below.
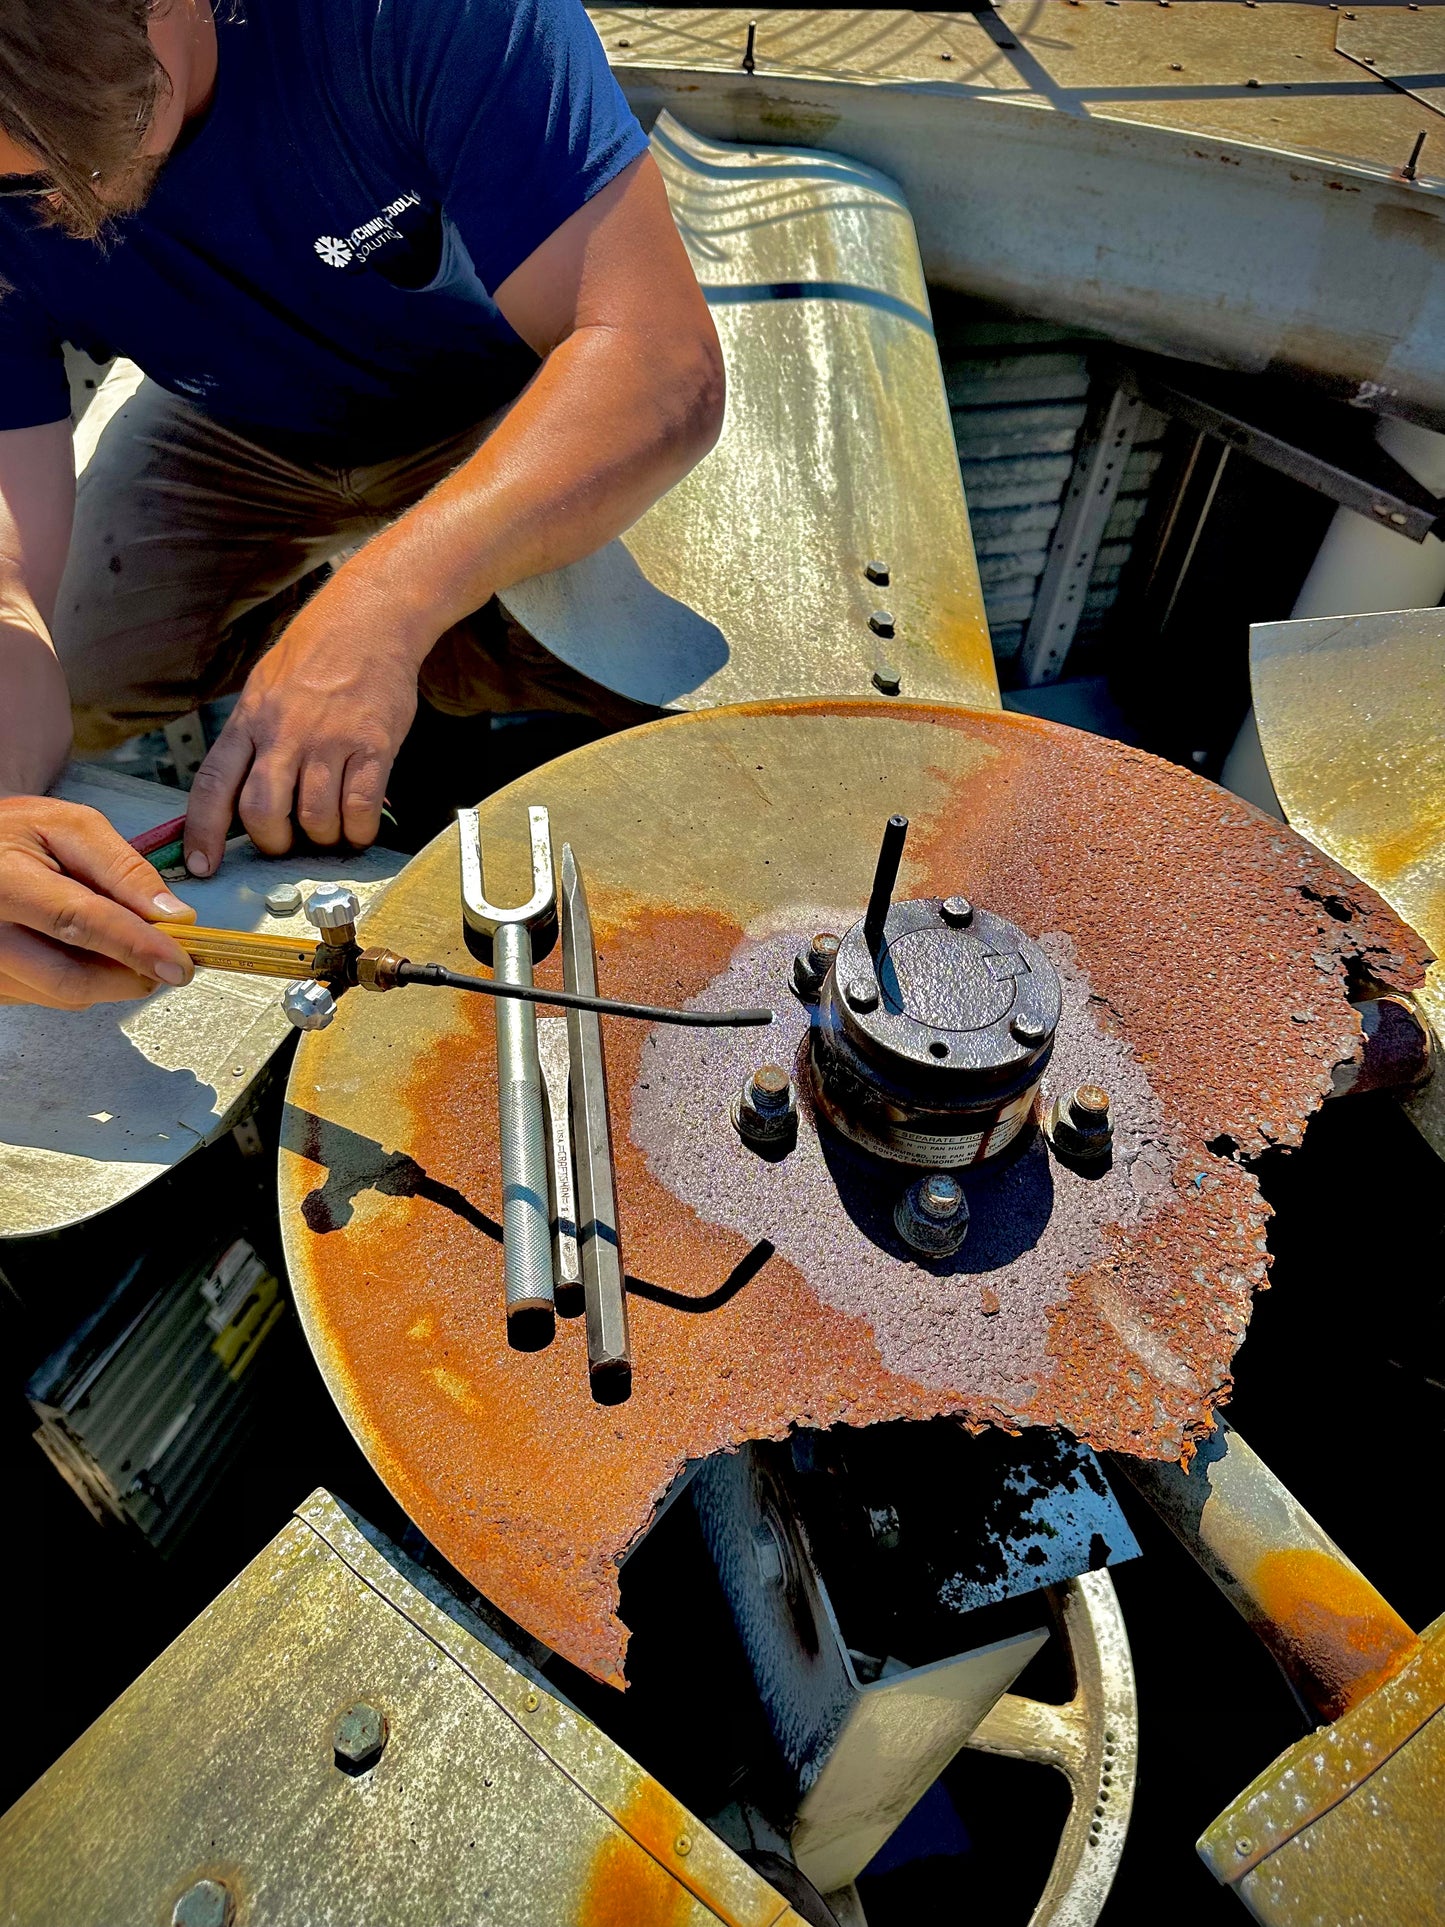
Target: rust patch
(1213, 946)
(1329, 1627)
(626, 1887)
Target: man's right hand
(76, 908)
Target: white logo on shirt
(341, 251)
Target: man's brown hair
(78, 86)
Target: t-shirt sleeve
(33, 387)
(512, 111)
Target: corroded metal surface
(1215, 947)
(1346, 1824)
(1349, 711)
(488, 1800)
(748, 579)
(1336, 1638)
(1211, 181)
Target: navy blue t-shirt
(315, 261)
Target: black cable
(415, 973)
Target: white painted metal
(1364, 567)
(1246, 249)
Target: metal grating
(1018, 391)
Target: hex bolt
(1079, 1125)
(881, 622)
(887, 680)
(1029, 1029)
(766, 1110)
(768, 1553)
(861, 994)
(205, 1903)
(359, 1737)
(957, 912)
(284, 900)
(308, 1005)
(812, 964)
(333, 910)
(877, 572)
(932, 1215)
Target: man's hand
(76, 906)
(315, 732)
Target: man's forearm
(34, 706)
(601, 432)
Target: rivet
(1243, 1848)
(684, 1843)
(205, 1904)
(531, 1702)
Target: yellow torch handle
(248, 951)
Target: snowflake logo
(335, 253)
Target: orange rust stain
(627, 1888)
(1336, 1630)
(445, 1418)
(1199, 941)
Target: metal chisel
(609, 1355)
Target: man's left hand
(315, 732)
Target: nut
(206, 1903)
(1079, 1125)
(812, 964)
(861, 994)
(932, 1215)
(1029, 1029)
(957, 912)
(768, 1552)
(766, 1110)
(359, 1737)
(333, 908)
(284, 900)
(308, 1004)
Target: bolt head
(887, 680)
(768, 1553)
(861, 994)
(308, 1004)
(1090, 1101)
(206, 1903)
(939, 1196)
(770, 1089)
(957, 912)
(1029, 1029)
(284, 900)
(881, 622)
(822, 950)
(812, 964)
(359, 1736)
(922, 1223)
(332, 907)
(877, 572)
